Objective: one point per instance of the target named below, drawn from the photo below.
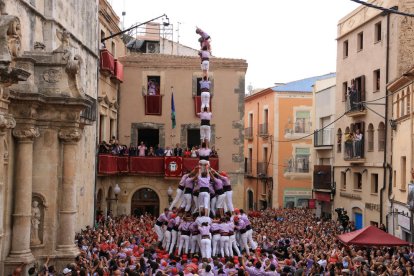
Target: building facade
(401, 203)
(47, 129)
(145, 115)
(323, 143)
(373, 48)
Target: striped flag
(172, 110)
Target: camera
(339, 210)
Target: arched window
(339, 141)
(381, 136)
(402, 105)
(370, 137)
(250, 204)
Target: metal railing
(248, 133)
(298, 164)
(323, 137)
(248, 168)
(262, 168)
(322, 177)
(263, 129)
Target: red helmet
(173, 215)
(223, 173)
(236, 218)
(236, 210)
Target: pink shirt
(205, 115)
(182, 181)
(204, 182)
(204, 152)
(141, 150)
(204, 230)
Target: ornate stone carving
(39, 46)
(26, 133)
(52, 75)
(70, 135)
(35, 223)
(6, 121)
(65, 45)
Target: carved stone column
(67, 212)
(20, 247)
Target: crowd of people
(115, 148)
(289, 242)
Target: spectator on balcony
(116, 148)
(104, 147)
(187, 152)
(168, 151)
(152, 88)
(124, 150)
(213, 153)
(194, 152)
(132, 150)
(353, 97)
(141, 149)
(159, 151)
(178, 151)
(358, 143)
(151, 152)
(349, 145)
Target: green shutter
(302, 151)
(302, 114)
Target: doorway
(358, 221)
(250, 204)
(193, 137)
(145, 201)
(149, 136)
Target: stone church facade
(48, 92)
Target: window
(343, 180)
(402, 105)
(374, 183)
(370, 137)
(339, 141)
(377, 80)
(381, 136)
(198, 86)
(153, 85)
(397, 111)
(112, 127)
(103, 45)
(345, 48)
(266, 117)
(344, 91)
(302, 159)
(358, 181)
(378, 32)
(302, 124)
(403, 172)
(395, 179)
(113, 48)
(408, 101)
(102, 128)
(360, 42)
(251, 120)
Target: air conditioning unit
(153, 47)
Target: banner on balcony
(173, 166)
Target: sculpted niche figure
(35, 221)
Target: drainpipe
(257, 158)
(386, 119)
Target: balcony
(297, 167)
(248, 133)
(322, 177)
(88, 115)
(264, 130)
(262, 169)
(153, 105)
(323, 139)
(118, 71)
(354, 107)
(248, 168)
(147, 165)
(354, 151)
(107, 62)
(300, 129)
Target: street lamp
(117, 190)
(169, 193)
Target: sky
(281, 41)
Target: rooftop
(303, 85)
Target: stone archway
(145, 200)
(250, 200)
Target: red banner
(312, 204)
(189, 163)
(123, 164)
(173, 166)
(146, 165)
(107, 164)
(323, 196)
(153, 104)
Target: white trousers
(167, 240)
(178, 196)
(204, 200)
(216, 244)
(194, 243)
(213, 205)
(205, 100)
(233, 246)
(206, 248)
(205, 133)
(220, 201)
(187, 199)
(229, 200)
(252, 243)
(160, 232)
(224, 246)
(184, 242)
(196, 204)
(244, 243)
(174, 235)
(205, 65)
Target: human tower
(201, 218)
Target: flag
(172, 110)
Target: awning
(323, 196)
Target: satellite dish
(250, 88)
